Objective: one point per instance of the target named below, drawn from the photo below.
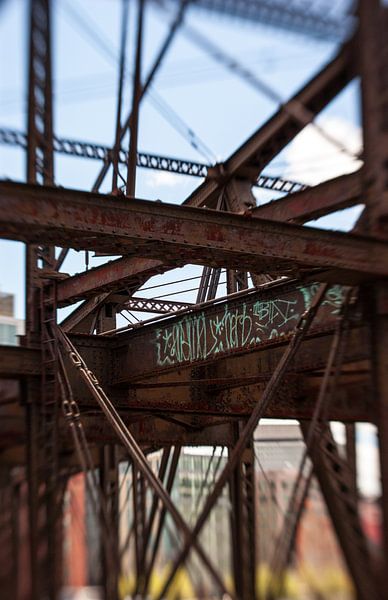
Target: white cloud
(157, 179)
(312, 158)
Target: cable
(218, 54)
(259, 84)
(78, 88)
(183, 291)
(162, 106)
(152, 287)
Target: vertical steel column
(162, 517)
(40, 158)
(374, 86)
(134, 126)
(15, 518)
(40, 169)
(123, 45)
(109, 481)
(351, 453)
(9, 534)
(139, 517)
(242, 494)
(49, 444)
(32, 423)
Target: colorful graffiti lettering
(200, 336)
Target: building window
(8, 334)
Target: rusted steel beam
(254, 154)
(136, 98)
(112, 276)
(335, 480)
(352, 400)
(233, 385)
(246, 323)
(98, 222)
(83, 319)
(153, 305)
(314, 202)
(373, 53)
(17, 361)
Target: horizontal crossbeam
(312, 203)
(112, 276)
(104, 223)
(153, 305)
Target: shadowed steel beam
(18, 361)
(114, 275)
(98, 222)
(314, 202)
(83, 319)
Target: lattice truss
(200, 319)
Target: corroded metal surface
(229, 327)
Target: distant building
(10, 327)
(279, 450)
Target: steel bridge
(307, 340)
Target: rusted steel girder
(373, 59)
(153, 305)
(118, 274)
(224, 328)
(148, 229)
(232, 388)
(314, 202)
(253, 155)
(18, 361)
(335, 480)
(232, 379)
